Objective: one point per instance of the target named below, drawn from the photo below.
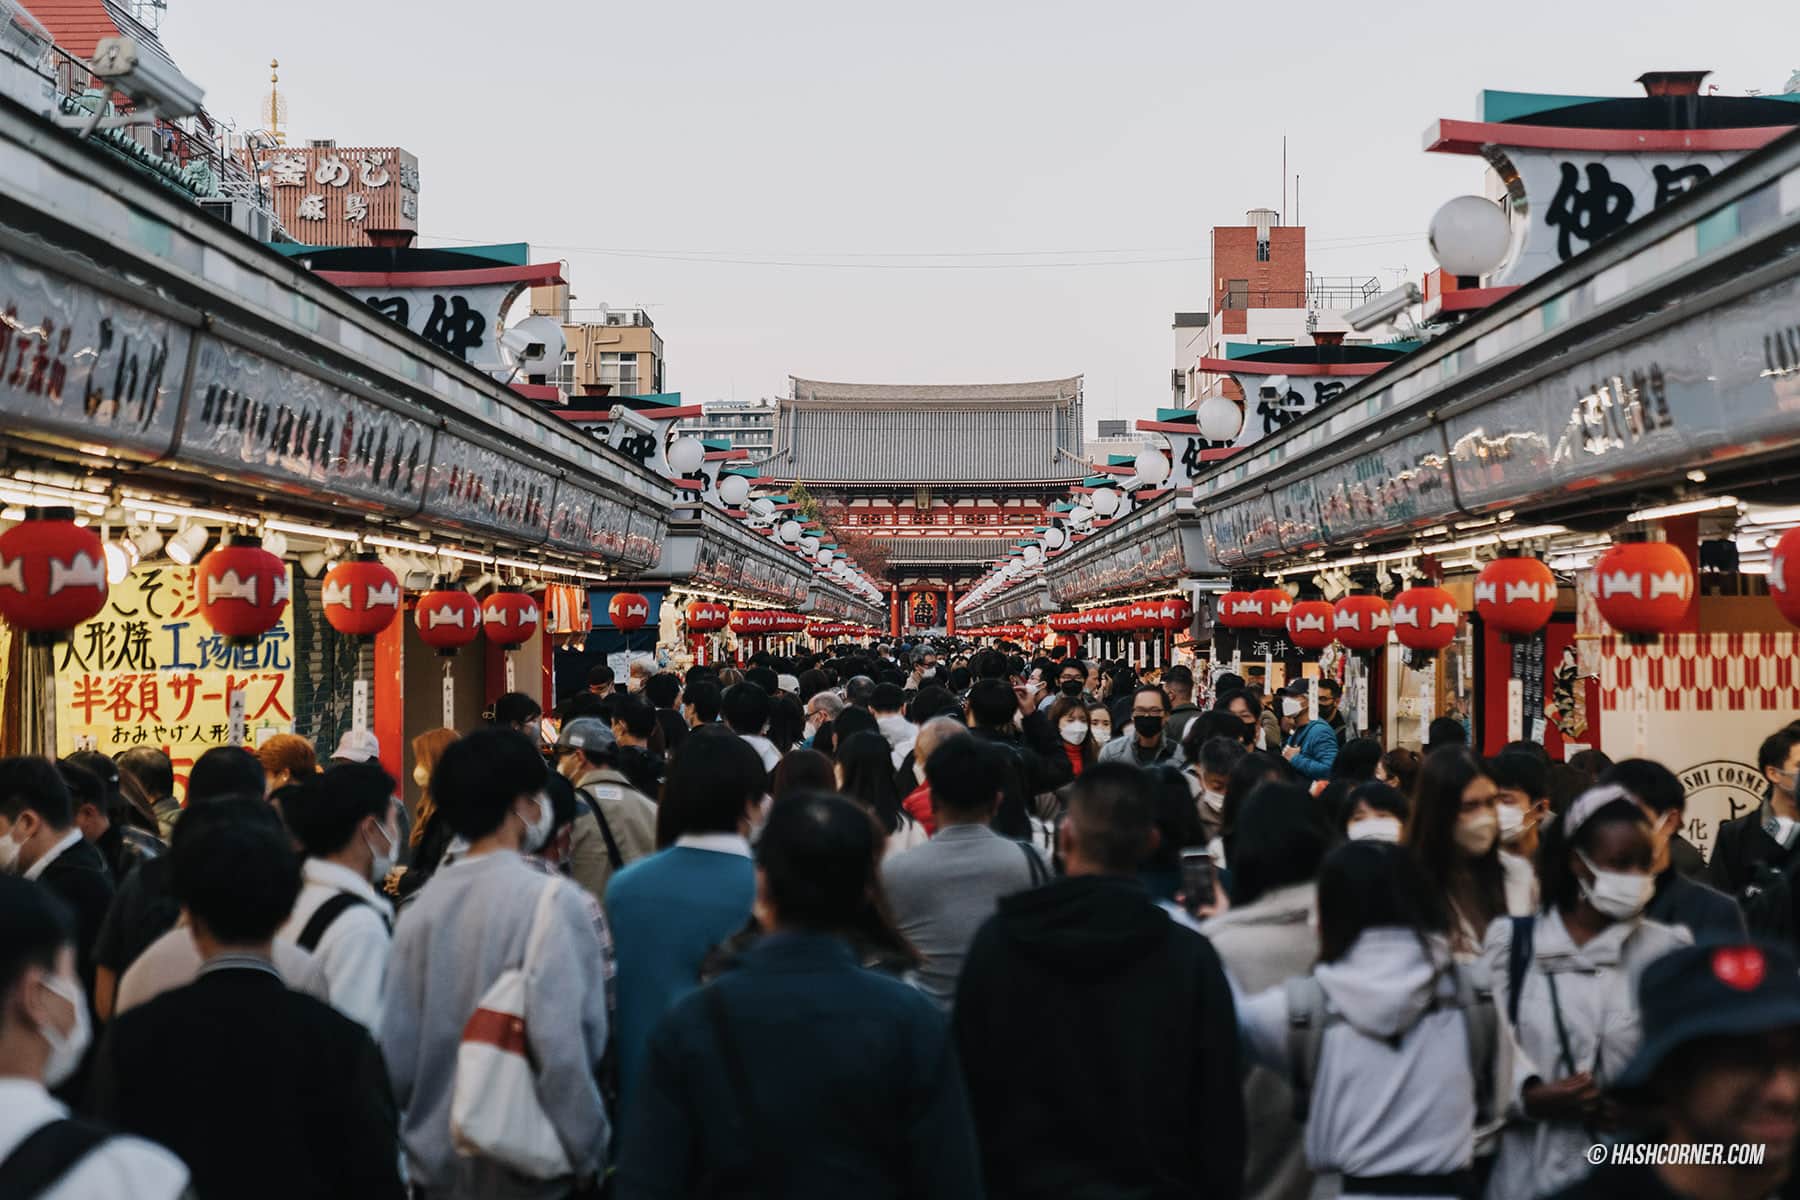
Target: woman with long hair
(787, 722)
(1567, 980)
(431, 835)
(1399, 769)
(1068, 715)
(865, 773)
(1394, 1066)
(1454, 837)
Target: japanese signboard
(335, 195)
(147, 671)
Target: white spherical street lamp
(734, 490)
(1221, 420)
(1152, 467)
(1469, 236)
(686, 455)
(1105, 501)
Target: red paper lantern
(703, 616)
(1425, 618)
(1515, 595)
(749, 620)
(1644, 589)
(1174, 615)
(243, 590)
(52, 574)
(1361, 622)
(448, 619)
(1310, 625)
(1784, 575)
(509, 618)
(628, 610)
(1238, 610)
(361, 596)
(1273, 606)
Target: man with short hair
(1523, 802)
(637, 675)
(1085, 990)
(1147, 743)
(1679, 898)
(1308, 743)
(1213, 762)
(600, 679)
(633, 723)
(1178, 684)
(1331, 711)
(745, 708)
(942, 891)
(345, 823)
(822, 708)
(887, 704)
(859, 691)
(663, 691)
(156, 775)
(700, 703)
(44, 1030)
(287, 758)
(932, 734)
(616, 823)
(40, 840)
(1718, 1066)
(105, 816)
(258, 1088)
(1770, 836)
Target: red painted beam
(538, 274)
(1243, 366)
(1468, 137)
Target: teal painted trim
(1121, 460)
(1176, 414)
(1097, 481)
(1510, 106)
(659, 399)
(716, 443)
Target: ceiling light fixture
(1683, 508)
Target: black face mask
(1071, 687)
(1147, 727)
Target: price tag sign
(234, 735)
(359, 705)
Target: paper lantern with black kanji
(243, 590)
(1361, 622)
(52, 574)
(1239, 610)
(1644, 589)
(1273, 606)
(1784, 575)
(361, 597)
(628, 610)
(1425, 618)
(1515, 595)
(509, 617)
(448, 619)
(1310, 625)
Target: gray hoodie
(1394, 1095)
(467, 926)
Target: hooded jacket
(1394, 1094)
(1100, 1050)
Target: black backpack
(1768, 899)
(48, 1153)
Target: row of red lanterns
(765, 620)
(1171, 614)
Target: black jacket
(1707, 913)
(260, 1090)
(1686, 858)
(852, 1078)
(124, 847)
(79, 878)
(142, 910)
(1100, 1046)
(1741, 844)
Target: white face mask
(421, 776)
(380, 863)
(1375, 829)
(1102, 733)
(1290, 707)
(537, 833)
(1620, 895)
(66, 1049)
(1512, 822)
(1074, 732)
(9, 853)
(918, 770)
(1214, 801)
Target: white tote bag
(494, 1108)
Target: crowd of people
(909, 921)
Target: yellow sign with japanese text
(149, 671)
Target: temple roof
(945, 549)
(1046, 391)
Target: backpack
(39, 1162)
(1309, 1018)
(1768, 899)
(323, 916)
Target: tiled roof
(77, 25)
(880, 394)
(945, 549)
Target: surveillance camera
(1383, 308)
(151, 81)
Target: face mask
(9, 853)
(421, 776)
(1475, 833)
(1290, 707)
(537, 833)
(66, 1049)
(1214, 801)
(380, 863)
(919, 771)
(1512, 822)
(1620, 895)
(1102, 733)
(1375, 829)
(1147, 727)
(1074, 733)
(1071, 687)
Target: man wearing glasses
(1146, 745)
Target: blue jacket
(853, 1076)
(1318, 749)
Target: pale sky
(939, 165)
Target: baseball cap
(357, 745)
(588, 734)
(1297, 687)
(789, 684)
(1711, 990)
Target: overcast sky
(898, 193)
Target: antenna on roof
(275, 104)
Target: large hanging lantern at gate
(1515, 595)
(509, 618)
(1362, 622)
(1273, 605)
(448, 619)
(1644, 589)
(1239, 610)
(628, 610)
(1310, 624)
(1784, 575)
(243, 590)
(52, 574)
(1425, 618)
(361, 597)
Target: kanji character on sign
(90, 693)
(289, 170)
(186, 688)
(332, 171)
(409, 205)
(372, 172)
(356, 206)
(312, 207)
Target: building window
(1262, 250)
(1237, 293)
(619, 370)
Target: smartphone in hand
(1198, 876)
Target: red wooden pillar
(388, 700)
(950, 609)
(894, 613)
(1684, 533)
